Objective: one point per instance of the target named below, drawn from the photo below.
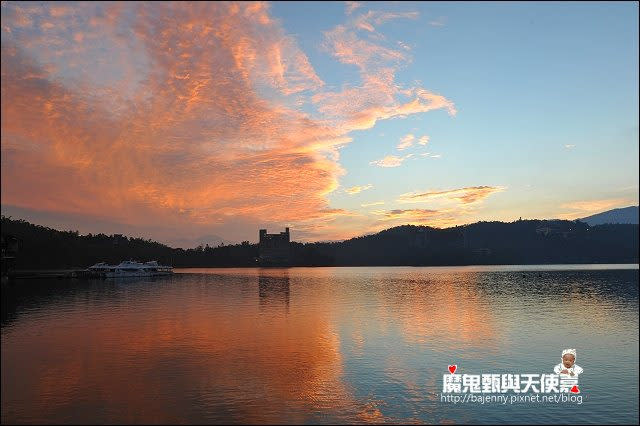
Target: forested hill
(43, 248)
(520, 242)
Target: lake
(318, 345)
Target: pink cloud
(348, 48)
(357, 189)
(378, 97)
(589, 207)
(406, 142)
(468, 195)
(429, 217)
(367, 20)
(351, 6)
(170, 154)
(198, 124)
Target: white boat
(132, 269)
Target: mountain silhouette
(480, 243)
(204, 240)
(622, 215)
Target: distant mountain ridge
(204, 240)
(621, 215)
(491, 243)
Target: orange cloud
(357, 189)
(58, 11)
(183, 116)
(406, 142)
(469, 195)
(430, 217)
(588, 207)
(169, 152)
(597, 205)
(367, 20)
(349, 49)
(21, 17)
(351, 6)
(408, 214)
(395, 161)
(376, 203)
(379, 97)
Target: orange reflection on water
(445, 308)
(162, 360)
(300, 345)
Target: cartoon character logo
(568, 367)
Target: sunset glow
(176, 120)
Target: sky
(195, 122)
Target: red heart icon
(575, 389)
(452, 368)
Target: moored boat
(131, 268)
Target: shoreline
(626, 265)
(60, 274)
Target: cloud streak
(376, 203)
(468, 195)
(408, 214)
(585, 208)
(357, 189)
(389, 161)
(406, 142)
(379, 97)
(439, 218)
(351, 6)
(439, 22)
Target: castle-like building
(274, 249)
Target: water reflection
(156, 354)
(273, 290)
(308, 345)
(22, 296)
(447, 310)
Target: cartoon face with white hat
(568, 366)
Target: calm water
(316, 345)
